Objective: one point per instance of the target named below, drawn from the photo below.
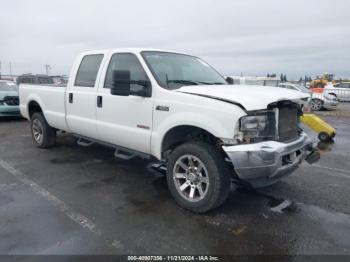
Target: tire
(316, 104)
(323, 136)
(44, 136)
(202, 167)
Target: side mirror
(121, 83)
(229, 80)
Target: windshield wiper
(189, 82)
(210, 83)
(192, 82)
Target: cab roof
(128, 50)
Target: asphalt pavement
(81, 200)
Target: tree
(281, 78)
(268, 75)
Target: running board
(84, 142)
(127, 154)
(120, 152)
(158, 167)
(124, 154)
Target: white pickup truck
(176, 109)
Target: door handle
(70, 99)
(99, 101)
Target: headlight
(253, 123)
(261, 125)
(329, 96)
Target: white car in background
(326, 99)
(341, 90)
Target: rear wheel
(198, 177)
(316, 104)
(43, 135)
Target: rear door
(81, 97)
(125, 120)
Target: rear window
(26, 80)
(88, 70)
(45, 80)
(345, 85)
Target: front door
(125, 120)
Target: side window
(125, 61)
(88, 69)
(344, 85)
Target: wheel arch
(183, 133)
(33, 107)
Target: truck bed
(51, 99)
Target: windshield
(173, 70)
(302, 88)
(8, 86)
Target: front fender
(215, 126)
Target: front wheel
(316, 104)
(198, 177)
(43, 134)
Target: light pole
(47, 68)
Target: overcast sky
(256, 37)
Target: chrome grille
(11, 100)
(288, 123)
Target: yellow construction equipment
(324, 130)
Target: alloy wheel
(37, 129)
(316, 105)
(191, 178)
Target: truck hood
(250, 97)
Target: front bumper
(264, 163)
(9, 111)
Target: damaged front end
(271, 144)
